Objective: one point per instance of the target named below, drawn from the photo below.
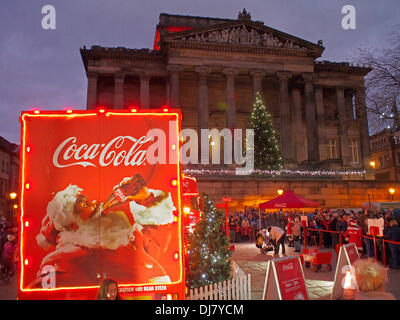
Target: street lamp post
(392, 191)
(13, 196)
(372, 164)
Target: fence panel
(233, 289)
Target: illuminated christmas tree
(267, 153)
(208, 248)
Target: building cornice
(346, 67)
(98, 52)
(225, 47)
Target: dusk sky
(43, 68)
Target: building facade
(385, 154)
(9, 178)
(212, 68)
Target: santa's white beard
(60, 210)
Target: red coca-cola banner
(291, 279)
(100, 197)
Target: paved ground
(319, 284)
(9, 291)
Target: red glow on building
(156, 45)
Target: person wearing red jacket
(353, 235)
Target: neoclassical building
(211, 69)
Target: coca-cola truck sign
(96, 203)
(114, 153)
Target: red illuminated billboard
(94, 206)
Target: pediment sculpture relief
(240, 35)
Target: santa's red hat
(353, 223)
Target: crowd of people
(344, 226)
(8, 250)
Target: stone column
(283, 77)
(257, 76)
(119, 79)
(298, 134)
(319, 105)
(202, 108)
(174, 84)
(167, 92)
(144, 91)
(91, 102)
(230, 97)
(363, 123)
(311, 122)
(343, 134)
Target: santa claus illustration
(125, 238)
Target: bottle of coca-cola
(128, 187)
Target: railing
(320, 238)
(235, 289)
(243, 231)
(384, 249)
(373, 237)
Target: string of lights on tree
(382, 119)
(208, 248)
(267, 153)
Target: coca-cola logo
(288, 266)
(122, 150)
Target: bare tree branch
(382, 83)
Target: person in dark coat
(341, 224)
(396, 215)
(332, 227)
(393, 234)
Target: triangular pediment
(243, 32)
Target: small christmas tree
(267, 153)
(208, 248)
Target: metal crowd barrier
(374, 238)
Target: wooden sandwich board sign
(348, 254)
(284, 280)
